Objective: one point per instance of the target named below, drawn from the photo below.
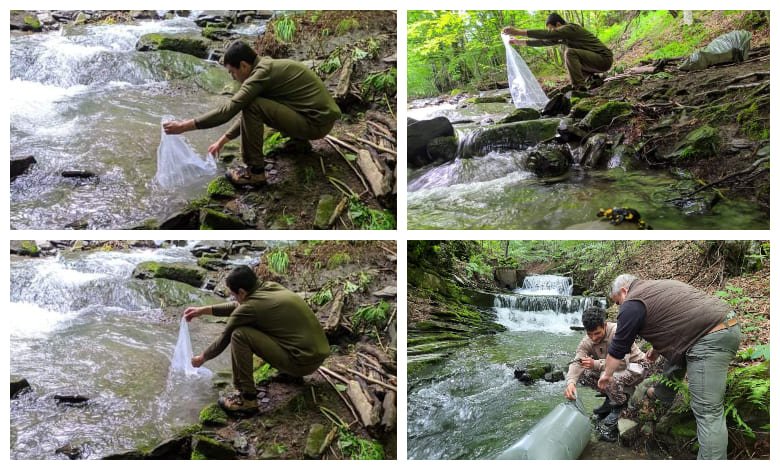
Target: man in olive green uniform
(283, 94)
(583, 53)
(269, 321)
(691, 330)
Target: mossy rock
(215, 79)
(213, 415)
(212, 449)
(315, 441)
(32, 23)
(583, 107)
(426, 280)
(184, 43)
(549, 161)
(521, 114)
(702, 142)
(325, 208)
(221, 188)
(442, 148)
(515, 135)
(186, 273)
(605, 114)
(25, 248)
(211, 219)
(211, 262)
(487, 99)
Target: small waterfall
(543, 303)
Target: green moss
(213, 415)
(605, 114)
(752, 123)
(33, 22)
(702, 142)
(220, 188)
(487, 99)
(338, 259)
(684, 429)
(210, 261)
(211, 219)
(264, 373)
(30, 248)
(196, 455)
(356, 448)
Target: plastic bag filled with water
(177, 164)
(525, 89)
(182, 355)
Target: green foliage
(346, 25)
(331, 64)
(322, 296)
(273, 142)
(356, 448)
(747, 394)
(371, 315)
(478, 265)
(213, 415)
(220, 188)
(753, 353)
(380, 84)
(734, 296)
(366, 218)
(284, 29)
(278, 262)
(264, 373)
(338, 259)
(349, 287)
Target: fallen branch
(347, 146)
(369, 415)
(338, 210)
(372, 380)
(390, 415)
(332, 141)
(372, 170)
(378, 147)
(380, 355)
(334, 317)
(749, 169)
(757, 74)
(346, 402)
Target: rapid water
(494, 191)
(470, 406)
(81, 325)
(83, 98)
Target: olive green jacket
(282, 315)
(282, 80)
(570, 35)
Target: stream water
(470, 406)
(494, 191)
(83, 98)
(82, 326)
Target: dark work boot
(602, 411)
(608, 429)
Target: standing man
(583, 52)
(588, 363)
(266, 320)
(283, 94)
(690, 329)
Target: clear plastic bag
(726, 48)
(177, 164)
(182, 355)
(525, 89)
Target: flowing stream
(494, 191)
(83, 98)
(81, 325)
(470, 406)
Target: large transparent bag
(525, 89)
(177, 164)
(181, 362)
(725, 49)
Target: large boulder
(623, 156)
(605, 114)
(20, 165)
(595, 151)
(701, 142)
(212, 449)
(19, 385)
(419, 134)
(443, 148)
(512, 136)
(186, 273)
(184, 43)
(521, 114)
(549, 161)
(211, 219)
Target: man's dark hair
(242, 277)
(237, 52)
(553, 19)
(593, 317)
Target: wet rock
(442, 149)
(213, 415)
(487, 99)
(537, 370)
(521, 114)
(582, 107)
(549, 161)
(212, 263)
(206, 248)
(325, 208)
(554, 376)
(211, 219)
(81, 18)
(71, 400)
(71, 451)
(212, 449)
(315, 441)
(512, 136)
(177, 447)
(388, 292)
(186, 273)
(20, 165)
(595, 152)
(627, 431)
(184, 43)
(702, 142)
(605, 114)
(272, 452)
(420, 133)
(623, 156)
(129, 455)
(220, 188)
(568, 132)
(25, 21)
(184, 220)
(25, 248)
(522, 376)
(559, 105)
(77, 174)
(19, 385)
(217, 34)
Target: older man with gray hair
(692, 330)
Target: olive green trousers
(579, 61)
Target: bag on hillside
(725, 49)
(177, 164)
(525, 89)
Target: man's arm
(249, 90)
(241, 316)
(630, 320)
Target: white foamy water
(31, 321)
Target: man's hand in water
(570, 392)
(197, 361)
(194, 312)
(179, 127)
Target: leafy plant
(747, 393)
(278, 262)
(356, 448)
(338, 259)
(273, 142)
(346, 25)
(366, 218)
(284, 29)
(380, 84)
(264, 373)
(331, 64)
(757, 352)
(349, 287)
(733, 295)
(371, 315)
(322, 296)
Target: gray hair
(624, 280)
